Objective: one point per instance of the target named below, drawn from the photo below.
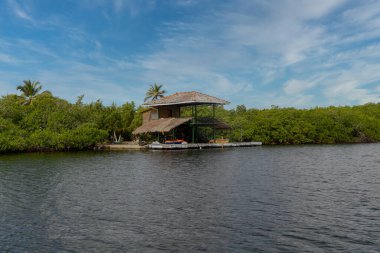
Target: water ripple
(270, 199)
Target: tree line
(37, 121)
(40, 121)
(320, 125)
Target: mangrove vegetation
(43, 122)
(40, 121)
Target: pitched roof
(160, 125)
(187, 98)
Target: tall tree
(155, 92)
(29, 90)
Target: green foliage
(318, 125)
(11, 137)
(29, 90)
(51, 123)
(137, 119)
(154, 92)
(295, 126)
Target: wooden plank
(123, 147)
(203, 145)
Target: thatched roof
(187, 98)
(160, 125)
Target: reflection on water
(272, 199)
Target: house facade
(163, 117)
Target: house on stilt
(183, 117)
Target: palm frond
(29, 89)
(154, 92)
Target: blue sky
(297, 53)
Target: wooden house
(164, 116)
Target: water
(261, 199)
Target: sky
(289, 53)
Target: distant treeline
(51, 123)
(328, 125)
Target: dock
(160, 146)
(124, 146)
(203, 145)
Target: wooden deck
(203, 145)
(124, 147)
(130, 146)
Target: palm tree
(155, 92)
(29, 90)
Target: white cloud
(283, 29)
(133, 8)
(354, 84)
(6, 58)
(231, 36)
(295, 86)
(96, 81)
(363, 13)
(240, 51)
(303, 101)
(285, 37)
(118, 5)
(186, 2)
(350, 91)
(20, 11)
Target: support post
(193, 125)
(213, 124)
(196, 127)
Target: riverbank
(161, 146)
(125, 146)
(53, 124)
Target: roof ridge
(187, 97)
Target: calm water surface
(261, 199)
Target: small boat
(174, 141)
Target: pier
(161, 146)
(203, 145)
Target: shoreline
(123, 147)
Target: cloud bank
(288, 53)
